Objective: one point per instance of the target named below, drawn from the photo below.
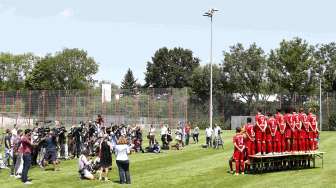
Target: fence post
(29, 107)
(3, 108)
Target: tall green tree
(245, 72)
(200, 81)
(171, 68)
(293, 67)
(68, 69)
(129, 83)
(14, 69)
(326, 56)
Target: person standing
(8, 151)
(51, 154)
(271, 138)
(163, 134)
(121, 151)
(151, 135)
(290, 125)
(313, 132)
(261, 126)
(295, 131)
(250, 134)
(187, 129)
(239, 147)
(105, 154)
(195, 134)
(304, 130)
(17, 156)
(25, 149)
(282, 128)
(208, 134)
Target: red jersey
(272, 126)
(261, 122)
(281, 122)
(297, 121)
(313, 122)
(249, 128)
(238, 140)
(26, 146)
(289, 119)
(304, 121)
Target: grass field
(191, 167)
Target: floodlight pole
(210, 14)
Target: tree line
(294, 67)
(63, 70)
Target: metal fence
(146, 106)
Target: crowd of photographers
(92, 143)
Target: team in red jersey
(275, 134)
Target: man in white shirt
(163, 134)
(208, 133)
(151, 135)
(217, 131)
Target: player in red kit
(313, 131)
(271, 124)
(296, 131)
(304, 131)
(288, 131)
(281, 133)
(239, 147)
(260, 131)
(271, 135)
(250, 137)
(304, 136)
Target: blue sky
(125, 34)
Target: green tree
(293, 68)
(200, 82)
(68, 69)
(245, 72)
(129, 83)
(14, 70)
(326, 56)
(171, 68)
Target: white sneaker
(11, 175)
(17, 176)
(28, 183)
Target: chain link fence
(148, 106)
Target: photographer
(50, 155)
(77, 135)
(60, 132)
(83, 164)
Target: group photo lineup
(157, 93)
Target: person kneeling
(84, 166)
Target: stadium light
(210, 14)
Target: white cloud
(68, 12)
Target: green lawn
(191, 167)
